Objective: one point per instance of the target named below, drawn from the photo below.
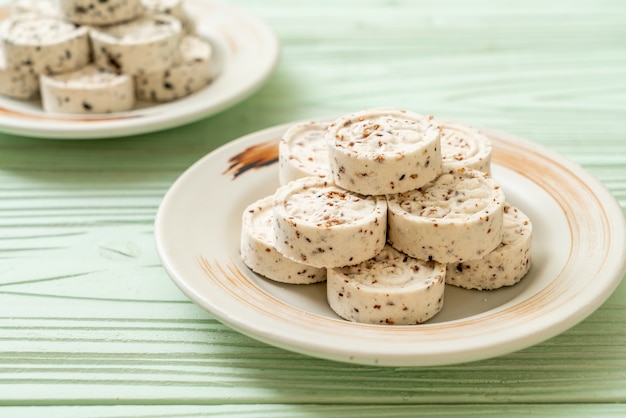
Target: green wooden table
(91, 324)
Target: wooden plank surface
(91, 325)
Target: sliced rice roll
(89, 90)
(259, 253)
(144, 45)
(381, 151)
(174, 8)
(504, 266)
(44, 44)
(191, 73)
(16, 84)
(100, 12)
(390, 289)
(322, 225)
(455, 218)
(303, 151)
(464, 146)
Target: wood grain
(89, 318)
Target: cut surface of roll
(457, 217)
(322, 225)
(146, 44)
(303, 151)
(88, 90)
(391, 288)
(44, 44)
(464, 146)
(506, 265)
(381, 151)
(259, 253)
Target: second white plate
(246, 52)
(579, 253)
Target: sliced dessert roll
(88, 90)
(100, 12)
(44, 44)
(259, 253)
(380, 151)
(464, 146)
(390, 288)
(322, 225)
(191, 73)
(147, 44)
(175, 8)
(457, 217)
(17, 84)
(504, 266)
(303, 151)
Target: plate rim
(134, 122)
(615, 270)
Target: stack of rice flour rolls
(94, 56)
(387, 206)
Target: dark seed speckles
(113, 62)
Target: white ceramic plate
(245, 54)
(579, 253)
